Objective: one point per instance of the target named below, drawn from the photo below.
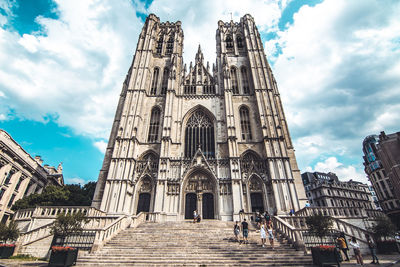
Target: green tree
(68, 195)
(319, 225)
(383, 228)
(9, 232)
(66, 224)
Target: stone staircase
(209, 243)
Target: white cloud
(101, 145)
(339, 77)
(75, 180)
(344, 173)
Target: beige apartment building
(21, 175)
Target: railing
(333, 211)
(105, 234)
(35, 234)
(292, 235)
(53, 211)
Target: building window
(199, 133)
(154, 125)
(164, 82)
(11, 201)
(170, 44)
(159, 45)
(8, 178)
(2, 193)
(234, 80)
(239, 41)
(18, 184)
(245, 123)
(245, 79)
(229, 42)
(154, 83)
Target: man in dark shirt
(245, 231)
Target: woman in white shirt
(357, 252)
(263, 234)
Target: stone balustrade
(53, 211)
(333, 211)
(292, 235)
(34, 235)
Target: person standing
(195, 216)
(236, 231)
(357, 252)
(372, 249)
(270, 235)
(343, 246)
(245, 231)
(263, 234)
(267, 218)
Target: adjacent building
(21, 175)
(326, 190)
(382, 166)
(211, 138)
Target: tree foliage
(68, 195)
(383, 228)
(66, 224)
(9, 232)
(319, 225)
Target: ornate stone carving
(199, 182)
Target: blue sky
(62, 64)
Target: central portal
(200, 196)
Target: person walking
(270, 235)
(357, 252)
(372, 249)
(236, 231)
(263, 233)
(245, 231)
(341, 242)
(195, 215)
(267, 218)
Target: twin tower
(211, 139)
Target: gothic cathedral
(212, 139)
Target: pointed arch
(234, 80)
(245, 80)
(239, 41)
(154, 83)
(229, 41)
(199, 133)
(170, 44)
(245, 123)
(154, 126)
(159, 44)
(164, 84)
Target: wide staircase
(209, 243)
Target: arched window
(159, 45)
(199, 133)
(245, 123)
(170, 44)
(164, 82)
(239, 41)
(154, 125)
(234, 80)
(229, 42)
(245, 79)
(154, 83)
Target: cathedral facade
(199, 137)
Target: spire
(199, 55)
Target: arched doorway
(143, 203)
(145, 194)
(256, 194)
(208, 206)
(199, 193)
(190, 205)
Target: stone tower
(213, 139)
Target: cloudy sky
(62, 64)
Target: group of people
(264, 225)
(342, 244)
